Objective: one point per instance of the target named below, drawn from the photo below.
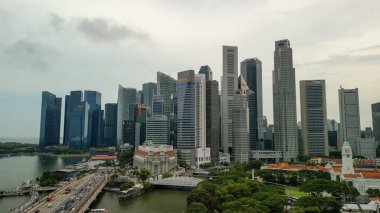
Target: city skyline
(39, 53)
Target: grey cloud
(373, 47)
(57, 22)
(345, 59)
(102, 29)
(4, 16)
(31, 54)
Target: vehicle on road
(50, 197)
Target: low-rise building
(266, 155)
(155, 158)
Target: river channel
(16, 169)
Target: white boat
(99, 211)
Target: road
(59, 196)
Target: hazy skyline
(59, 46)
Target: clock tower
(347, 162)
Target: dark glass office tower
(251, 71)
(50, 120)
(129, 133)
(157, 106)
(110, 130)
(93, 98)
(212, 114)
(126, 97)
(72, 100)
(173, 120)
(78, 131)
(206, 70)
(376, 120)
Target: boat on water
(99, 211)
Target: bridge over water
(76, 196)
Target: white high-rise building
(191, 123)
(350, 117)
(229, 87)
(314, 118)
(240, 129)
(125, 97)
(284, 101)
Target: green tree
(127, 185)
(147, 186)
(125, 157)
(167, 174)
(324, 204)
(246, 205)
(205, 165)
(196, 207)
(238, 190)
(273, 201)
(202, 196)
(253, 164)
(144, 174)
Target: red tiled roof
(337, 168)
(144, 153)
(375, 198)
(103, 157)
(371, 175)
(353, 176)
(295, 166)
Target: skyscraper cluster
(201, 122)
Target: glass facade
(72, 100)
(251, 71)
(93, 98)
(50, 124)
(78, 131)
(110, 124)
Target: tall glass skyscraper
(251, 71)
(110, 124)
(314, 118)
(229, 87)
(376, 120)
(78, 131)
(284, 101)
(166, 86)
(212, 114)
(50, 124)
(149, 90)
(240, 129)
(93, 98)
(350, 117)
(72, 100)
(191, 95)
(126, 96)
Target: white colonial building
(361, 178)
(156, 158)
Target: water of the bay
(16, 169)
(156, 201)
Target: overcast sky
(61, 46)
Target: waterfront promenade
(179, 182)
